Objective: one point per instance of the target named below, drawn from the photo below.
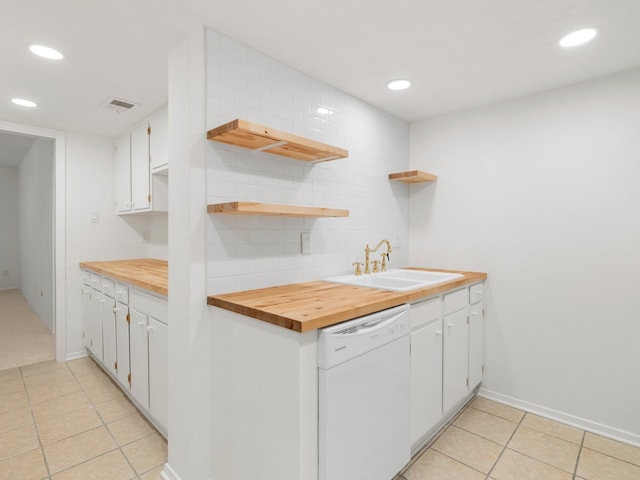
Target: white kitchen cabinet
(455, 359)
(137, 188)
(93, 324)
(122, 343)
(140, 169)
(122, 174)
(158, 336)
(159, 142)
(108, 318)
(139, 357)
(476, 341)
(426, 379)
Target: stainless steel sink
(397, 280)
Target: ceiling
(459, 53)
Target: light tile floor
(68, 421)
(492, 441)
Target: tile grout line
(488, 474)
(35, 426)
(575, 469)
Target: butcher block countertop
(147, 273)
(307, 306)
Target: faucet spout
(368, 250)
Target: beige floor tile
(467, 448)
(13, 385)
(9, 374)
(486, 425)
(619, 450)
(433, 465)
(498, 409)
(94, 380)
(110, 466)
(147, 453)
(26, 466)
(546, 448)
(42, 367)
(103, 393)
(60, 406)
(57, 428)
(47, 378)
(80, 448)
(129, 429)
(18, 441)
(44, 392)
(13, 401)
(15, 419)
(115, 409)
(80, 363)
(559, 430)
(515, 466)
(596, 466)
(153, 474)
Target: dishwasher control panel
(349, 339)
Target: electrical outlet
(305, 243)
(397, 242)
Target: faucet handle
(358, 266)
(383, 266)
(376, 266)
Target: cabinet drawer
(423, 313)
(455, 301)
(94, 280)
(154, 307)
(476, 293)
(107, 286)
(122, 293)
(85, 277)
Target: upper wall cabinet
(241, 133)
(141, 167)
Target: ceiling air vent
(119, 105)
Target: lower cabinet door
(86, 315)
(95, 324)
(476, 341)
(139, 358)
(456, 359)
(122, 344)
(426, 380)
(108, 334)
(158, 371)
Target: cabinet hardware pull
(449, 325)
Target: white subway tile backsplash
(253, 252)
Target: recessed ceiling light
(46, 52)
(324, 111)
(400, 84)
(24, 103)
(578, 37)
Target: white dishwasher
(363, 375)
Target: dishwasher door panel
(364, 415)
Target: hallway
(23, 337)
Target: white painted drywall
(9, 239)
(36, 210)
(542, 194)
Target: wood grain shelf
(413, 176)
(241, 133)
(269, 209)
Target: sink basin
(396, 280)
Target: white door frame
(59, 225)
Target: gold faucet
(367, 251)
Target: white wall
(90, 187)
(542, 193)
(252, 252)
(36, 209)
(9, 251)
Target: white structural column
(189, 329)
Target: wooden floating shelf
(241, 133)
(413, 176)
(268, 209)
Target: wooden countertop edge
(101, 269)
(385, 299)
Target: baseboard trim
(169, 473)
(76, 355)
(562, 417)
